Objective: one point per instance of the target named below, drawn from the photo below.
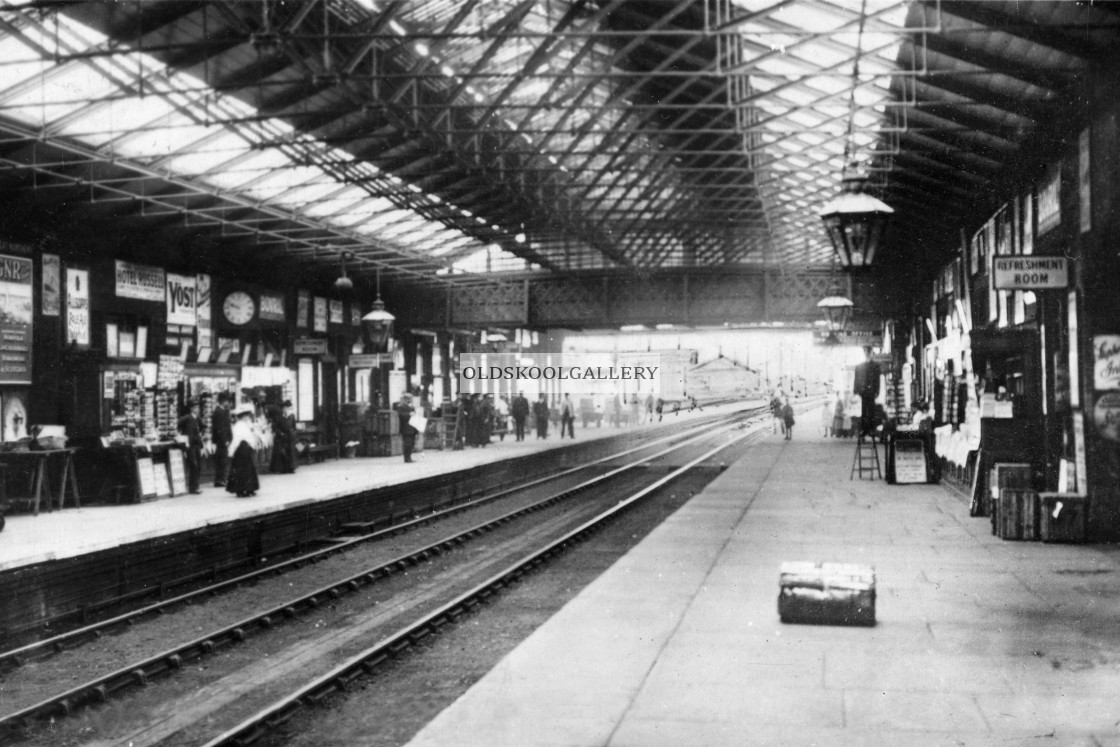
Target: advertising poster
(336, 311)
(142, 282)
(15, 320)
(1081, 478)
(303, 308)
(1074, 351)
(204, 312)
(1049, 201)
(52, 285)
(182, 300)
(1106, 362)
(203, 301)
(77, 306)
(1084, 190)
(1106, 416)
(272, 307)
(320, 314)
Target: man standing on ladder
(867, 378)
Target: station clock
(239, 308)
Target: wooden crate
(826, 593)
(1017, 514)
(1005, 475)
(1063, 517)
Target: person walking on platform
(776, 411)
(649, 408)
(787, 419)
(567, 417)
(191, 427)
(221, 433)
(405, 411)
(243, 481)
(541, 414)
(519, 409)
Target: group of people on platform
(236, 438)
(236, 441)
(782, 412)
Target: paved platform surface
(979, 641)
(29, 539)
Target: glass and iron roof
(441, 141)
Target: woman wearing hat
(284, 439)
(243, 481)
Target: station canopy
(451, 141)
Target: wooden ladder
(865, 460)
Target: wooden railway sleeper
(373, 662)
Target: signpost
(1030, 272)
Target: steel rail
(99, 689)
(38, 650)
(339, 678)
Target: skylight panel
(820, 55)
(107, 122)
(286, 178)
(810, 18)
(308, 194)
(161, 142)
(806, 118)
(338, 206)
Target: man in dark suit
(519, 409)
(190, 427)
(541, 413)
(867, 378)
(221, 432)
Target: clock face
(238, 307)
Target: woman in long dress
(242, 480)
(284, 440)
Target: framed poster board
(910, 461)
(178, 471)
(163, 482)
(146, 478)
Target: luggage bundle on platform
(827, 593)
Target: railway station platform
(978, 641)
(71, 532)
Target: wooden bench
(319, 452)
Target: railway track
(356, 535)
(139, 673)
